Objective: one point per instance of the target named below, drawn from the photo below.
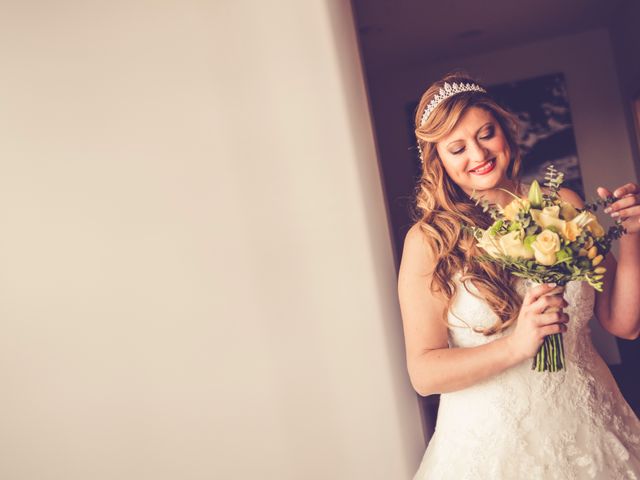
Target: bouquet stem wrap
(550, 357)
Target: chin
(493, 179)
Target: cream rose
(547, 218)
(517, 204)
(512, 245)
(545, 246)
(553, 211)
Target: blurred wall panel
(197, 279)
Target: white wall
(197, 280)
(600, 127)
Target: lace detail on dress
(523, 424)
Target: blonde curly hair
(442, 207)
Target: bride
(471, 329)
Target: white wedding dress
(522, 424)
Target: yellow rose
(545, 246)
(568, 211)
(594, 227)
(490, 244)
(548, 218)
(514, 207)
(513, 246)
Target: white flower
(490, 244)
(589, 221)
(512, 244)
(553, 211)
(548, 217)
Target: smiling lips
(485, 168)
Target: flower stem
(550, 356)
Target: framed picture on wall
(542, 107)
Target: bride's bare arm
(434, 367)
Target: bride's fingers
(603, 192)
(627, 201)
(552, 329)
(533, 294)
(627, 212)
(551, 318)
(547, 301)
(626, 189)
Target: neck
(498, 196)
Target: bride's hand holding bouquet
(541, 315)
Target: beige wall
(197, 280)
(587, 61)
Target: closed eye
(486, 137)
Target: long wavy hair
(442, 207)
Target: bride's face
(476, 153)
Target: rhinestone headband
(445, 92)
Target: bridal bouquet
(546, 240)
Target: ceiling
(404, 33)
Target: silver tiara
(445, 92)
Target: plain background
(196, 279)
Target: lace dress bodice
(522, 424)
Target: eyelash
(489, 135)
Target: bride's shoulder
(417, 253)
(570, 196)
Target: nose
(477, 154)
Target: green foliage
(529, 239)
(487, 207)
(493, 230)
(570, 263)
(554, 179)
(514, 226)
(564, 255)
(603, 202)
